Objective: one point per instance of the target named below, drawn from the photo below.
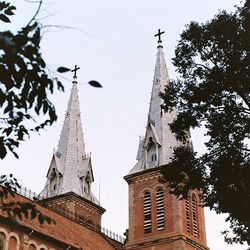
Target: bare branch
(37, 11)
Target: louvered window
(194, 215)
(187, 205)
(160, 209)
(147, 213)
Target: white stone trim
(43, 246)
(14, 235)
(2, 230)
(145, 189)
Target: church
(157, 219)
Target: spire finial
(74, 70)
(159, 38)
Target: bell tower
(157, 219)
(70, 173)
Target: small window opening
(187, 206)
(90, 223)
(160, 209)
(194, 214)
(147, 213)
(81, 219)
(153, 157)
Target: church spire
(156, 148)
(70, 168)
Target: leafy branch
(213, 90)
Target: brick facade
(175, 234)
(74, 231)
(157, 219)
(68, 232)
(88, 212)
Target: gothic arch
(9, 241)
(32, 245)
(90, 222)
(2, 230)
(82, 219)
(3, 238)
(43, 247)
(157, 186)
(145, 189)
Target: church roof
(156, 149)
(66, 232)
(70, 169)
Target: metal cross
(159, 35)
(74, 70)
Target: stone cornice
(153, 242)
(79, 199)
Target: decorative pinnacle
(159, 38)
(74, 70)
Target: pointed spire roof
(70, 169)
(156, 148)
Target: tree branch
(37, 11)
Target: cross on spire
(74, 70)
(159, 36)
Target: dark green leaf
(60, 86)
(8, 131)
(63, 69)
(15, 154)
(3, 151)
(9, 11)
(95, 84)
(4, 18)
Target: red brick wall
(88, 211)
(174, 215)
(50, 237)
(201, 221)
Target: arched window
(147, 213)
(187, 206)
(160, 209)
(81, 219)
(32, 247)
(194, 215)
(153, 157)
(2, 241)
(13, 243)
(90, 223)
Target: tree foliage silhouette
(213, 90)
(25, 83)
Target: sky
(113, 42)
